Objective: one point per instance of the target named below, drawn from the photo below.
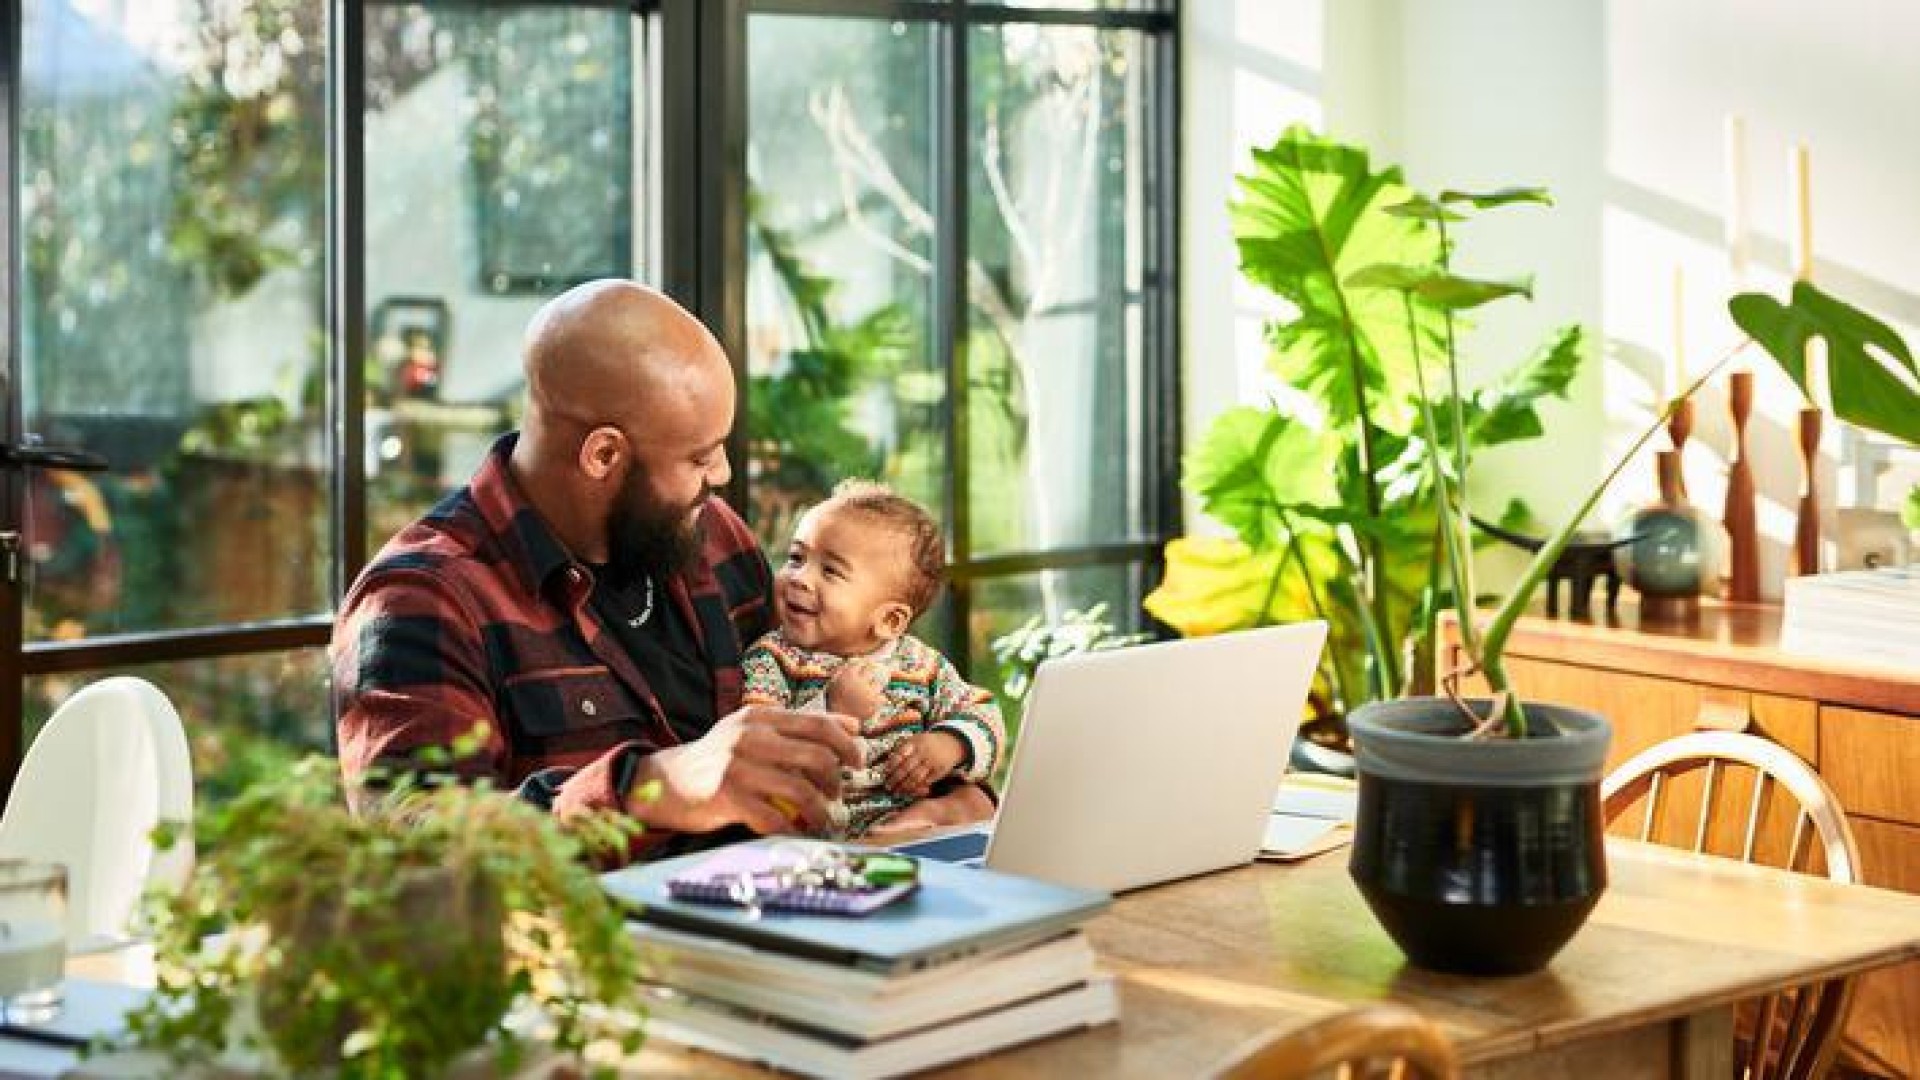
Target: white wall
(1618, 107)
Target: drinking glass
(33, 939)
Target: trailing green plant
(1910, 510)
(1329, 491)
(1022, 650)
(389, 939)
(1872, 382)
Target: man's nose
(721, 471)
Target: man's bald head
(606, 351)
(629, 404)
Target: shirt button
(588, 707)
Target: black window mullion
(12, 595)
(1161, 319)
(347, 286)
(950, 305)
(704, 177)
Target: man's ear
(892, 619)
(601, 451)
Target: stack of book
(971, 961)
(1862, 616)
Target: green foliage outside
(802, 418)
(1331, 496)
(1022, 650)
(1910, 510)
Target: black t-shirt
(664, 647)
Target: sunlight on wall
(1251, 68)
(1620, 109)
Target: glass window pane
(1055, 238)
(1082, 5)
(172, 203)
(500, 169)
(1003, 604)
(840, 261)
(246, 717)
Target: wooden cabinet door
(1883, 1032)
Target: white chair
(109, 765)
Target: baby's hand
(855, 689)
(917, 763)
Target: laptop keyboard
(967, 849)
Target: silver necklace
(646, 608)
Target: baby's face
(842, 571)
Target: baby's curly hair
(926, 561)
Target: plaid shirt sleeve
(410, 670)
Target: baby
(862, 566)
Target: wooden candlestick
(1743, 580)
(1806, 530)
(1679, 427)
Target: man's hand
(856, 689)
(772, 770)
(915, 764)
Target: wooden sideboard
(1858, 725)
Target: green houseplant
(1479, 837)
(1328, 492)
(389, 940)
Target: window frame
(699, 107)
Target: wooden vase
(1806, 530)
(1743, 577)
(1679, 428)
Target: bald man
(584, 599)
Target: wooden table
(1645, 989)
(1858, 725)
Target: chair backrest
(110, 764)
(1734, 809)
(1359, 1044)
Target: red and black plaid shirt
(477, 614)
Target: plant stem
(1334, 674)
(1376, 560)
(1494, 641)
(1443, 500)
(1467, 589)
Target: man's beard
(645, 536)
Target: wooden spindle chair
(1374, 1042)
(1791, 1035)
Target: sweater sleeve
(766, 680)
(969, 712)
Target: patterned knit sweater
(923, 693)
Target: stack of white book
(1860, 616)
(973, 962)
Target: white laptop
(1141, 765)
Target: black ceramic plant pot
(1478, 856)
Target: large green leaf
(1505, 411)
(1310, 213)
(1507, 196)
(1438, 287)
(1254, 463)
(1877, 389)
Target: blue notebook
(955, 912)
